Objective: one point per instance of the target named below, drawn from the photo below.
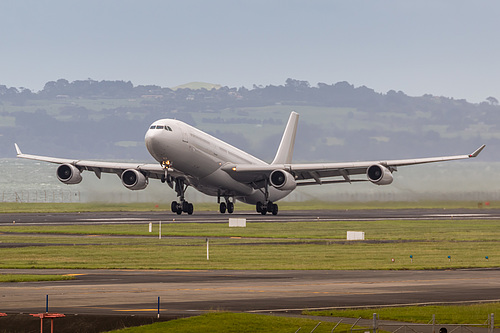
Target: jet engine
(69, 174)
(134, 180)
(379, 175)
(282, 180)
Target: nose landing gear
(183, 205)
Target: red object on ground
(3, 314)
(47, 315)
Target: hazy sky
(446, 48)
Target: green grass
(455, 314)
(190, 253)
(13, 207)
(236, 322)
(385, 230)
(33, 277)
(294, 245)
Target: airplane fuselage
(201, 156)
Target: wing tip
(477, 151)
(18, 150)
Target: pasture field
(435, 244)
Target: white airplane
(187, 157)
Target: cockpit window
(168, 128)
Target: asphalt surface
(184, 293)
(191, 292)
(215, 217)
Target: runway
(215, 217)
(185, 293)
(182, 293)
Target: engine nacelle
(69, 174)
(379, 175)
(134, 180)
(282, 180)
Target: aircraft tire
(173, 206)
(185, 206)
(222, 207)
(230, 207)
(190, 209)
(258, 207)
(275, 209)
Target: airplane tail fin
(285, 150)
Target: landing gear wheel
(258, 207)
(190, 209)
(263, 211)
(173, 206)
(222, 207)
(230, 207)
(179, 210)
(275, 209)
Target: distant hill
(339, 122)
(197, 86)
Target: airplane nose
(153, 142)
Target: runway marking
(458, 215)
(115, 219)
(139, 310)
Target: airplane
(186, 156)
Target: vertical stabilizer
(285, 150)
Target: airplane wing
(311, 174)
(98, 167)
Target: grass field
(232, 322)
(237, 323)
(452, 314)
(33, 277)
(298, 245)
(15, 207)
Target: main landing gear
(226, 205)
(267, 207)
(183, 205)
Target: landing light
(234, 168)
(165, 164)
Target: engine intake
(282, 180)
(379, 175)
(69, 174)
(134, 180)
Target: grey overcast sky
(445, 48)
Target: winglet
(18, 151)
(285, 150)
(478, 150)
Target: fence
(431, 327)
(55, 196)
